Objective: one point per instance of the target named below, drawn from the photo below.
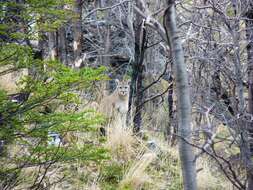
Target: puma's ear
(128, 81)
(117, 81)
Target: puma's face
(122, 88)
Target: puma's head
(122, 88)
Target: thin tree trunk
(249, 35)
(62, 45)
(138, 82)
(77, 44)
(139, 96)
(184, 102)
(238, 66)
(52, 45)
(106, 59)
(136, 92)
(171, 129)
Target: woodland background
(190, 120)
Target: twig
(155, 96)
(105, 8)
(157, 80)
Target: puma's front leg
(123, 119)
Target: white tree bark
(184, 102)
(62, 45)
(52, 51)
(77, 46)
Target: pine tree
(29, 118)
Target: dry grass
(125, 147)
(9, 82)
(94, 186)
(144, 171)
(136, 176)
(206, 178)
(121, 143)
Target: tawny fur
(115, 106)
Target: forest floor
(137, 164)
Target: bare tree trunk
(183, 94)
(249, 35)
(137, 79)
(52, 45)
(77, 44)
(171, 129)
(106, 59)
(238, 66)
(139, 91)
(62, 45)
(136, 93)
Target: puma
(115, 106)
